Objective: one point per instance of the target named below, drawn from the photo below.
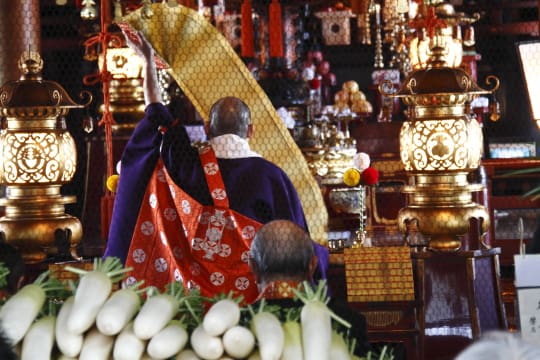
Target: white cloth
(231, 146)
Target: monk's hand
(139, 44)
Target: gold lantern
(440, 143)
(38, 156)
(126, 87)
(439, 23)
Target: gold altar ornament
(440, 143)
(38, 156)
(439, 23)
(126, 87)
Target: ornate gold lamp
(440, 143)
(126, 87)
(38, 156)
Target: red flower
(314, 83)
(370, 176)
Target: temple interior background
(491, 31)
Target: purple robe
(256, 187)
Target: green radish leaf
(4, 272)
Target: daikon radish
(205, 345)
(292, 347)
(68, 343)
(96, 346)
(221, 316)
(187, 354)
(269, 334)
(118, 310)
(158, 310)
(127, 346)
(169, 341)
(38, 342)
(316, 322)
(21, 309)
(338, 347)
(92, 291)
(238, 341)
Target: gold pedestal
(39, 228)
(442, 207)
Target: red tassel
(107, 204)
(275, 29)
(247, 30)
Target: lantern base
(442, 207)
(40, 238)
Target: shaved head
(229, 115)
(282, 250)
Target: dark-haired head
(282, 250)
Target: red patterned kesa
(179, 239)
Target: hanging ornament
(275, 29)
(88, 12)
(248, 50)
(88, 123)
(494, 109)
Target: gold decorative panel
(436, 145)
(37, 157)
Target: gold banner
(207, 68)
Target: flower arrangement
(361, 175)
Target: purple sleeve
(138, 161)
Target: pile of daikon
(90, 319)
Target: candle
(377, 14)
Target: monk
(282, 258)
(256, 188)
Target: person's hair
(229, 115)
(500, 345)
(281, 250)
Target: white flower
(118, 167)
(308, 73)
(286, 117)
(361, 161)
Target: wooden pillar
(19, 31)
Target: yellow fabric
(207, 68)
